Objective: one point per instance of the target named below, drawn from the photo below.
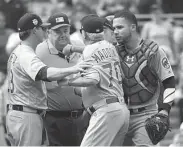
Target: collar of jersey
(51, 48)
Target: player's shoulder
(92, 47)
(150, 46)
(88, 50)
(42, 48)
(43, 45)
(16, 52)
(97, 46)
(25, 52)
(22, 53)
(104, 44)
(20, 50)
(100, 45)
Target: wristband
(164, 106)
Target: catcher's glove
(157, 127)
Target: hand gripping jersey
(142, 70)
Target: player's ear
(133, 27)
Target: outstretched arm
(90, 78)
(54, 74)
(78, 82)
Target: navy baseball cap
(28, 21)
(57, 20)
(92, 24)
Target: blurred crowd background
(159, 20)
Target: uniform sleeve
(161, 65)
(31, 64)
(92, 74)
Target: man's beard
(125, 39)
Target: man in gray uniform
(27, 91)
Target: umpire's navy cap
(92, 24)
(28, 21)
(57, 20)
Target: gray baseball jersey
(23, 66)
(106, 70)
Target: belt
(137, 110)
(71, 114)
(93, 108)
(24, 109)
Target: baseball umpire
(64, 117)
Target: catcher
(146, 71)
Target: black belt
(108, 101)
(137, 110)
(21, 108)
(72, 114)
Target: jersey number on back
(114, 71)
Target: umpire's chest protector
(139, 81)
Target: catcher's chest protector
(139, 82)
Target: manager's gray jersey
(23, 66)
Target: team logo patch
(165, 63)
(35, 21)
(59, 19)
